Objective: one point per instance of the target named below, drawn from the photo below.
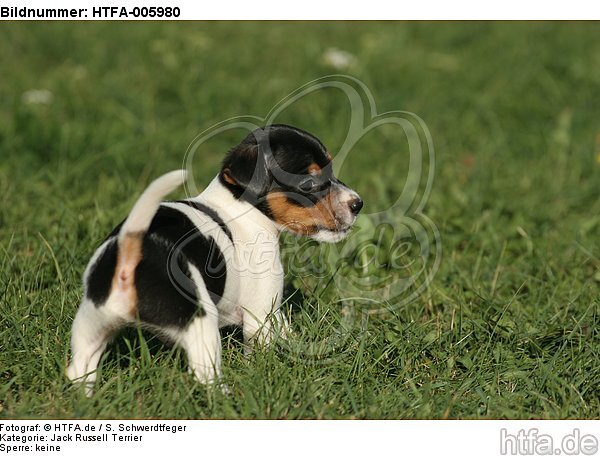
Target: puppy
(186, 268)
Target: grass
(509, 326)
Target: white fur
(255, 265)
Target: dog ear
(245, 168)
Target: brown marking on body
(303, 220)
(128, 257)
(314, 169)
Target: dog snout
(356, 205)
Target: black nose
(356, 205)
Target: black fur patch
(173, 241)
(161, 300)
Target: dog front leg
(262, 325)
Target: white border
(277, 438)
(371, 10)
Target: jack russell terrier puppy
(186, 268)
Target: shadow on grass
(133, 343)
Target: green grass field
(509, 326)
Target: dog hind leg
(92, 329)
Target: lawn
(507, 327)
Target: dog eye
(307, 185)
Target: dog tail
(137, 223)
(143, 211)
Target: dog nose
(356, 205)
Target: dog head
(287, 174)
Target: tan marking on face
(128, 257)
(328, 155)
(314, 169)
(303, 220)
(228, 178)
